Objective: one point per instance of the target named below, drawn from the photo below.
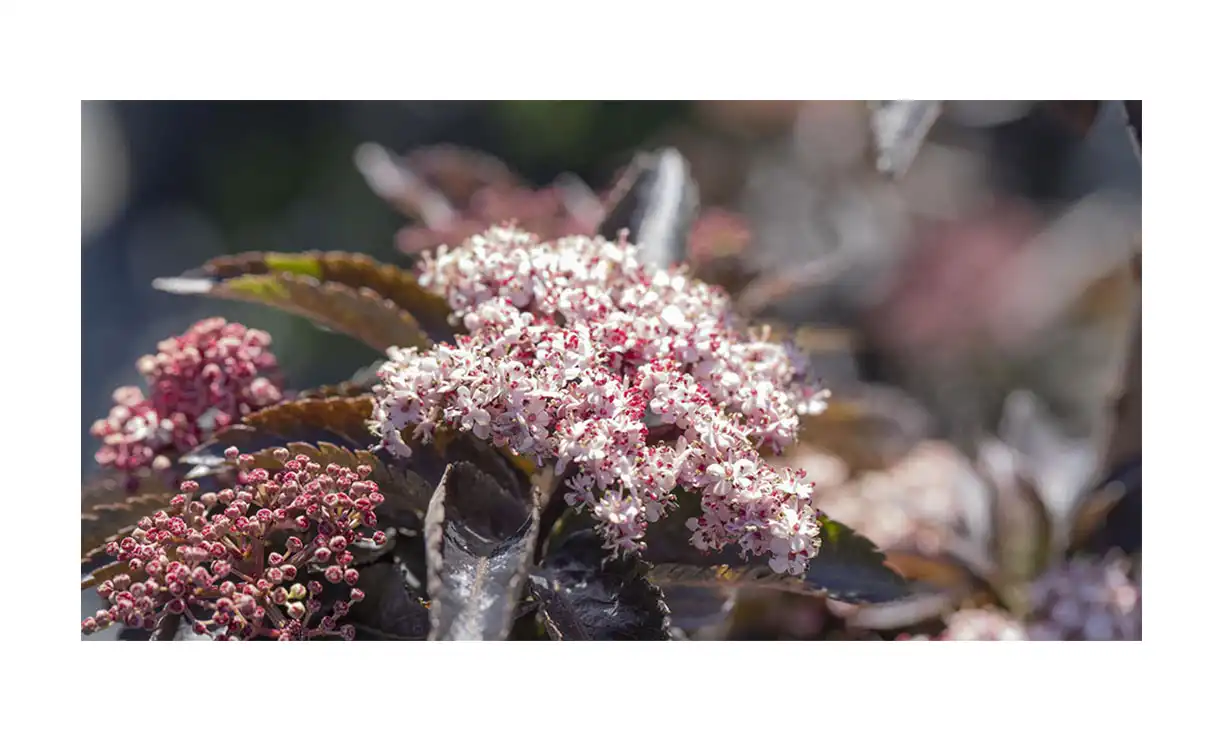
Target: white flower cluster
(635, 380)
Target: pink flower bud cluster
(236, 564)
(635, 380)
(198, 383)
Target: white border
(877, 50)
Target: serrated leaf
(583, 595)
(848, 568)
(336, 430)
(361, 313)
(103, 573)
(390, 609)
(656, 201)
(112, 502)
(338, 421)
(356, 271)
(111, 505)
(480, 541)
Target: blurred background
(965, 274)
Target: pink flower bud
(296, 610)
(296, 591)
(334, 574)
(321, 555)
(379, 538)
(351, 576)
(357, 596)
(290, 572)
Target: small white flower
(641, 378)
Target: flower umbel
(198, 383)
(634, 380)
(234, 564)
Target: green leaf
(583, 595)
(360, 313)
(480, 540)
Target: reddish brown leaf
(356, 271)
(110, 508)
